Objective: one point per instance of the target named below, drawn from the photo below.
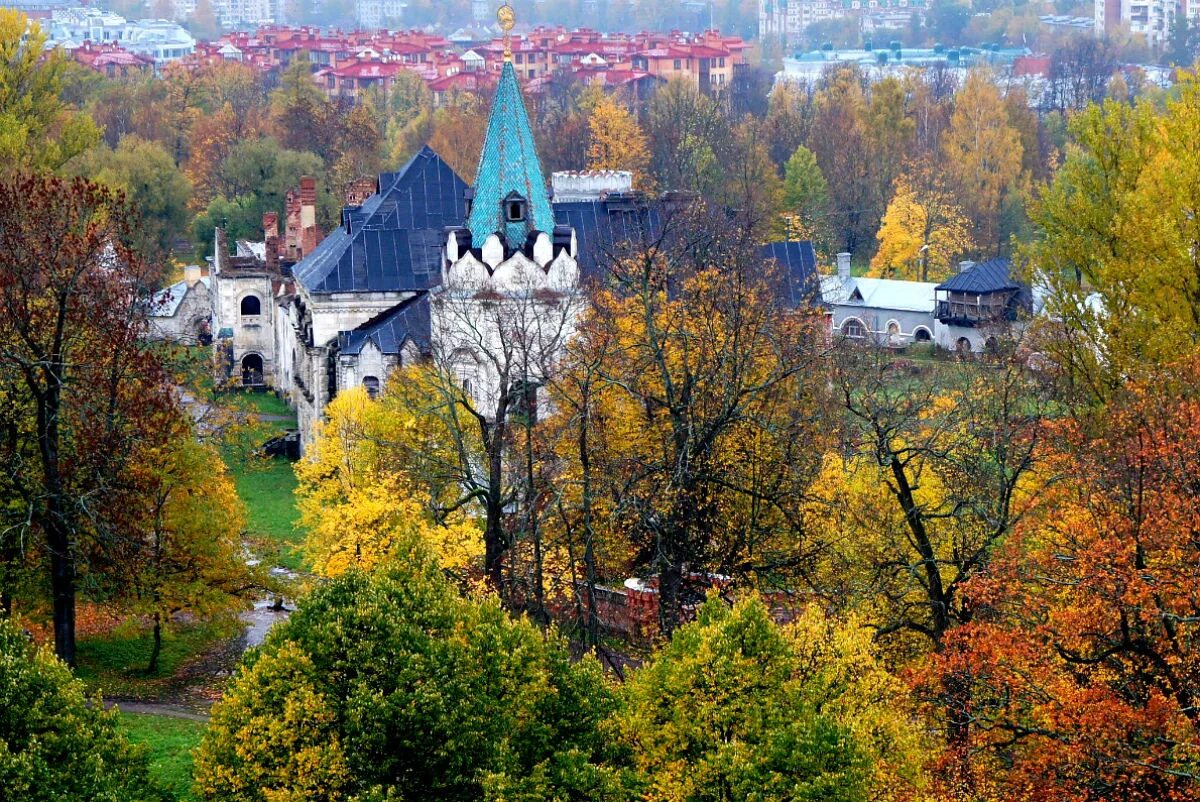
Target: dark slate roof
(606, 226)
(797, 261)
(602, 227)
(982, 278)
(395, 239)
(405, 322)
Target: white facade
(380, 13)
(497, 319)
(160, 40)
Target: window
(853, 327)
(721, 61)
(251, 306)
(371, 385)
(514, 210)
(922, 335)
(678, 64)
(518, 58)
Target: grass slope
(170, 741)
(115, 662)
(268, 487)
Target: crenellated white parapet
(543, 249)
(488, 270)
(492, 250)
(563, 271)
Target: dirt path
(154, 709)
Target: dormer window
(515, 208)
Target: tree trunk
(152, 668)
(589, 547)
(539, 591)
(62, 587)
(670, 596)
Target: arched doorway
(922, 335)
(963, 346)
(252, 370)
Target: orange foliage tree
(1085, 675)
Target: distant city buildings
(159, 41)
(346, 64)
(787, 20)
(890, 57)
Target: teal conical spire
(510, 191)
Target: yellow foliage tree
(616, 142)
(983, 155)
(1117, 247)
(923, 233)
(38, 130)
(364, 487)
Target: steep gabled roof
(799, 284)
(509, 163)
(983, 277)
(407, 322)
(603, 227)
(394, 241)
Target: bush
(390, 685)
(55, 742)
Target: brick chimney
(843, 265)
(309, 236)
(291, 224)
(362, 188)
(271, 240)
(220, 248)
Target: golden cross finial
(506, 17)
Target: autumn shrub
(56, 743)
(390, 685)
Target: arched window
(371, 384)
(853, 327)
(963, 346)
(252, 370)
(922, 335)
(251, 306)
(515, 210)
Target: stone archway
(252, 370)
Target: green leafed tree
(390, 685)
(805, 193)
(724, 712)
(38, 130)
(155, 187)
(55, 742)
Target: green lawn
(170, 741)
(115, 663)
(268, 487)
(261, 404)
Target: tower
(510, 291)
